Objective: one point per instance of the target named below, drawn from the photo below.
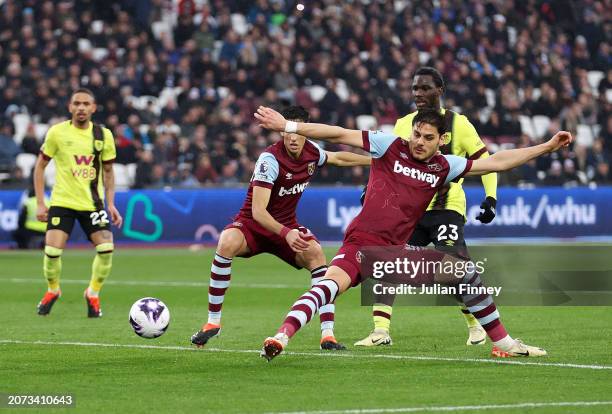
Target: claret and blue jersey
(286, 177)
(400, 188)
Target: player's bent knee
(53, 252)
(313, 257)
(231, 242)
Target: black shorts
(61, 218)
(443, 228)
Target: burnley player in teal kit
(267, 223)
(404, 177)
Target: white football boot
(377, 337)
(477, 335)
(519, 349)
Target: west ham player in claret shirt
(266, 222)
(404, 177)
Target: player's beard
(81, 120)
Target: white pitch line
(160, 283)
(455, 408)
(318, 354)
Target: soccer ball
(149, 317)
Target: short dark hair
(433, 72)
(431, 117)
(83, 90)
(296, 113)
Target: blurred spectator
(158, 176)
(29, 143)
(554, 176)
(126, 150)
(602, 173)
(284, 82)
(596, 158)
(8, 148)
(528, 173)
(570, 176)
(185, 178)
(493, 128)
(30, 233)
(205, 173)
(144, 170)
(16, 179)
(229, 174)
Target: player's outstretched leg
(326, 316)
(231, 243)
(52, 268)
(484, 310)
(301, 313)
(336, 281)
(481, 306)
(314, 259)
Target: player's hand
(116, 218)
(296, 241)
(41, 212)
(363, 194)
(559, 140)
(270, 119)
(488, 210)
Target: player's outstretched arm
(261, 198)
(347, 159)
(271, 119)
(109, 187)
(508, 159)
(39, 187)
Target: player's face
(294, 142)
(82, 107)
(425, 92)
(425, 141)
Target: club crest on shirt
(434, 167)
(311, 168)
(403, 155)
(98, 145)
(288, 176)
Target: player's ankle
(282, 337)
(326, 333)
(505, 344)
(471, 321)
(92, 293)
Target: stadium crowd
(178, 81)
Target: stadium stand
(178, 81)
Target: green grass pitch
(429, 364)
